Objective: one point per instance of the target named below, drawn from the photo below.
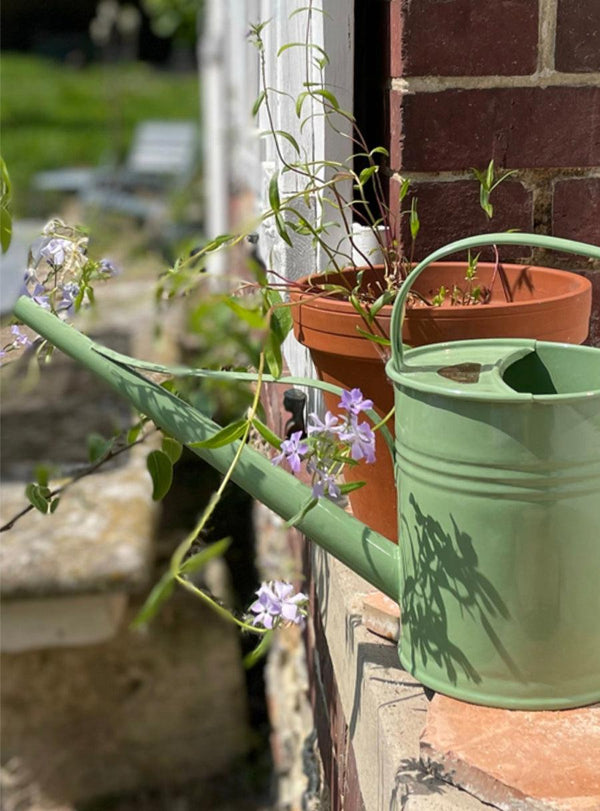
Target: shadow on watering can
(435, 561)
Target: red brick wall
(513, 80)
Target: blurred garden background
(169, 720)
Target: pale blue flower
(353, 402)
(107, 268)
(292, 451)
(276, 603)
(69, 292)
(324, 483)
(55, 251)
(362, 441)
(330, 424)
(39, 296)
(19, 338)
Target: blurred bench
(161, 160)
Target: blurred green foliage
(174, 18)
(55, 116)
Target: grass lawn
(55, 116)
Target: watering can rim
(506, 238)
(502, 392)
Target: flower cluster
(277, 604)
(331, 443)
(60, 274)
(20, 340)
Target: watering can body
(498, 478)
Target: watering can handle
(531, 240)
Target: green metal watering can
(497, 454)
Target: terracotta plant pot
(548, 305)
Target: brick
(576, 209)
(352, 797)
(381, 615)
(578, 36)
(395, 24)
(450, 210)
(515, 759)
(469, 37)
(520, 127)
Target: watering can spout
(364, 551)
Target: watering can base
(523, 697)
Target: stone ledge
(516, 759)
(384, 707)
(99, 540)
(534, 761)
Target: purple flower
(292, 450)
(107, 268)
(323, 483)
(276, 603)
(19, 340)
(69, 292)
(362, 440)
(55, 250)
(329, 425)
(38, 295)
(353, 402)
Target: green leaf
(161, 471)
(266, 433)
(200, 559)
(328, 95)
(379, 150)
(133, 433)
(159, 594)
(385, 298)
(300, 101)
(257, 104)
(312, 502)
(54, 504)
(414, 219)
(274, 200)
(223, 437)
(360, 308)
(251, 316)
(169, 385)
(377, 339)
(42, 475)
(259, 652)
(290, 138)
(172, 448)
(405, 186)
(304, 45)
(5, 228)
(484, 201)
(281, 229)
(349, 487)
(98, 447)
(272, 350)
(5, 208)
(281, 321)
(35, 497)
(366, 174)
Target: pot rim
(579, 286)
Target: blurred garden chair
(161, 160)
